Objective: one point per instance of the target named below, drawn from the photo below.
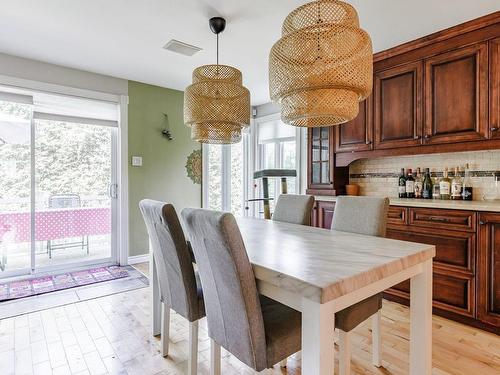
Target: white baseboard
(134, 259)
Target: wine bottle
(410, 185)
(427, 185)
(445, 185)
(402, 184)
(467, 185)
(418, 184)
(456, 185)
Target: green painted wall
(163, 174)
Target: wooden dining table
(319, 272)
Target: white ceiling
(124, 38)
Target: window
(277, 147)
(224, 172)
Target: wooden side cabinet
(325, 214)
(398, 106)
(489, 269)
(456, 95)
(356, 135)
(494, 124)
(320, 159)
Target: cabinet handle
(442, 219)
(368, 142)
(427, 136)
(494, 129)
(417, 137)
(482, 222)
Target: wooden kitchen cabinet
(456, 95)
(489, 269)
(356, 135)
(398, 106)
(325, 214)
(320, 158)
(494, 123)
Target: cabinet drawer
(397, 216)
(449, 293)
(443, 219)
(455, 251)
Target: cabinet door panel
(356, 135)
(320, 158)
(456, 92)
(325, 214)
(398, 106)
(489, 268)
(495, 88)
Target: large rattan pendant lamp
(217, 105)
(322, 66)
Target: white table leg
(376, 338)
(345, 353)
(155, 296)
(421, 321)
(318, 326)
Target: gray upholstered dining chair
(258, 331)
(295, 209)
(180, 287)
(362, 215)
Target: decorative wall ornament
(217, 105)
(322, 66)
(194, 166)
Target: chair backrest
(295, 209)
(362, 215)
(232, 303)
(173, 260)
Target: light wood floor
(110, 335)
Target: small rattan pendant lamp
(322, 66)
(217, 105)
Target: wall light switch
(137, 161)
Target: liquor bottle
(445, 185)
(402, 184)
(410, 185)
(456, 185)
(427, 185)
(467, 185)
(419, 181)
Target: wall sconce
(166, 129)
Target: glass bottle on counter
(410, 185)
(445, 186)
(419, 181)
(456, 185)
(467, 185)
(427, 185)
(402, 184)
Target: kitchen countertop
(488, 206)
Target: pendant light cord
(217, 49)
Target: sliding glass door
(58, 188)
(15, 183)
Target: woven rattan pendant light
(217, 105)
(322, 66)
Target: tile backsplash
(379, 176)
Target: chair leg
(165, 328)
(214, 358)
(345, 353)
(376, 339)
(283, 363)
(193, 348)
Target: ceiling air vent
(182, 48)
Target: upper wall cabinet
(398, 106)
(356, 135)
(320, 142)
(495, 88)
(456, 95)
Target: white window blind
(274, 130)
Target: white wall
(55, 74)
